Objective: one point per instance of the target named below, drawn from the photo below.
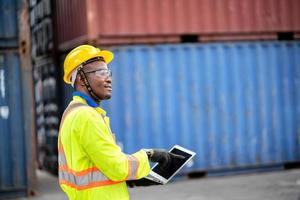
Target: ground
(275, 185)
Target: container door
(12, 141)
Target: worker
(91, 164)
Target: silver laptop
(164, 176)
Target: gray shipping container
(234, 104)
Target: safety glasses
(103, 73)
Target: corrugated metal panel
(13, 170)
(71, 25)
(8, 23)
(131, 21)
(47, 113)
(41, 28)
(235, 104)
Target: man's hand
(163, 157)
(141, 182)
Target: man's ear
(78, 82)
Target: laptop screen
(176, 164)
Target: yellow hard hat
(81, 54)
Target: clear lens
(104, 73)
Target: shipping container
(47, 112)
(9, 23)
(46, 89)
(234, 104)
(13, 163)
(159, 21)
(17, 137)
(41, 28)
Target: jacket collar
(83, 98)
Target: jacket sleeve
(100, 146)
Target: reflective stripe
(80, 173)
(90, 185)
(84, 179)
(91, 177)
(61, 154)
(62, 161)
(133, 165)
(95, 178)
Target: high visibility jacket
(91, 164)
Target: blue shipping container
(9, 22)
(234, 104)
(13, 170)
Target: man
(91, 164)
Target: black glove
(163, 157)
(141, 182)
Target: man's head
(85, 67)
(98, 76)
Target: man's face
(98, 76)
